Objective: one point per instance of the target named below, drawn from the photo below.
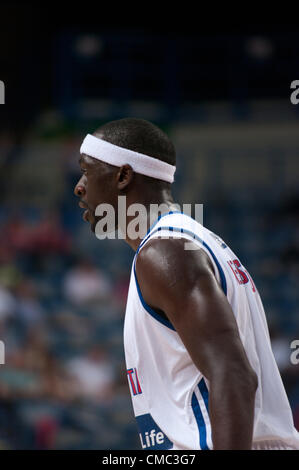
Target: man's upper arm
(182, 284)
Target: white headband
(118, 156)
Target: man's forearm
(231, 406)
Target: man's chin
(93, 222)
(98, 230)
(93, 226)
(89, 218)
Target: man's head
(140, 136)
(103, 183)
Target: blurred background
(223, 97)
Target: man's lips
(86, 212)
(83, 205)
(85, 215)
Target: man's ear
(124, 176)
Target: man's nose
(79, 189)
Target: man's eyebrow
(92, 163)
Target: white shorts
(272, 445)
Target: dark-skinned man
(200, 367)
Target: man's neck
(147, 216)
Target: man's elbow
(243, 377)
(248, 381)
(253, 380)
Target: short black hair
(140, 136)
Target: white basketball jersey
(170, 395)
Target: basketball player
(200, 366)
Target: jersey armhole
(153, 312)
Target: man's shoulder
(160, 257)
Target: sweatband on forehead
(118, 156)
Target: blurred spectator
(7, 304)
(31, 371)
(49, 236)
(16, 234)
(120, 290)
(45, 432)
(94, 374)
(28, 308)
(85, 284)
(10, 274)
(34, 241)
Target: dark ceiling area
(53, 57)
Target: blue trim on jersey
(149, 309)
(204, 393)
(188, 232)
(198, 413)
(148, 234)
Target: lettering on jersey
(240, 273)
(134, 382)
(151, 436)
(218, 240)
